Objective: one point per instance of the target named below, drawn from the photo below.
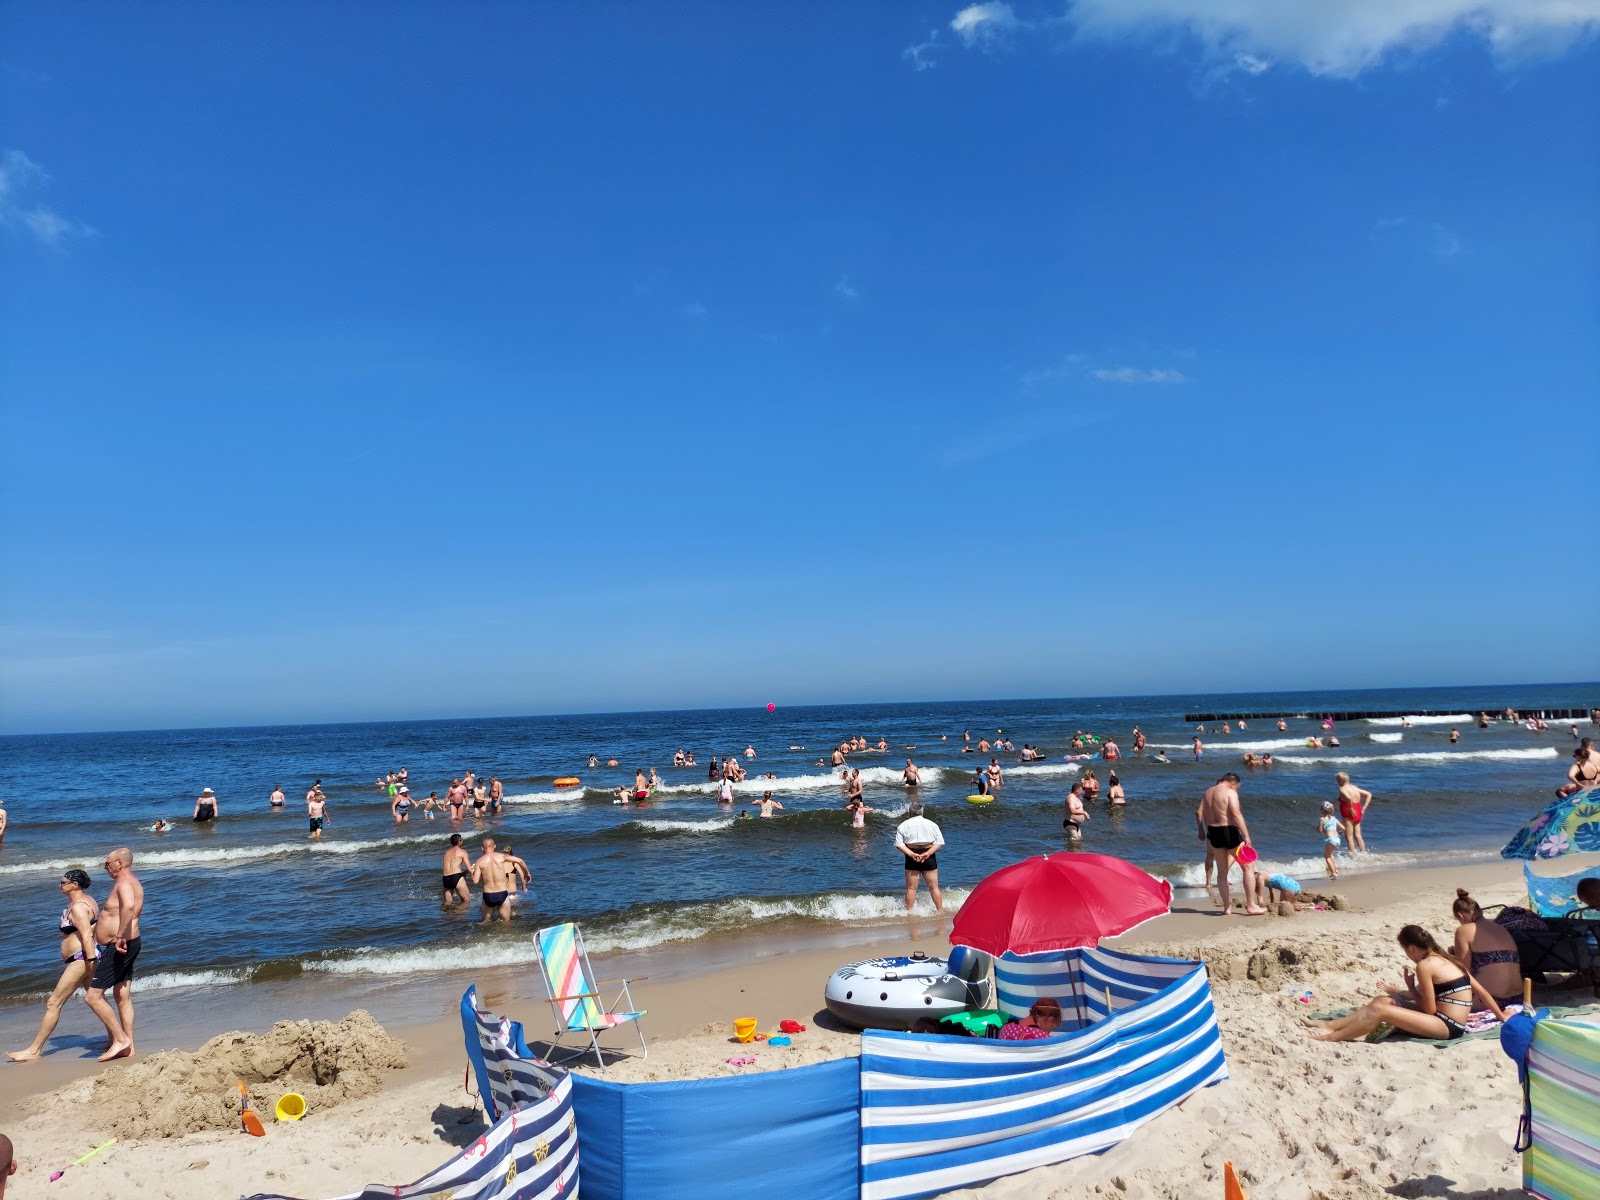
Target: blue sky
(370, 361)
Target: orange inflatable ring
(568, 781)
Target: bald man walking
(118, 935)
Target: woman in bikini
(78, 955)
(1488, 949)
(1443, 991)
(1583, 773)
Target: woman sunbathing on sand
(1444, 992)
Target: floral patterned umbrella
(1570, 824)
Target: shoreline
(681, 975)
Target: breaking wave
(213, 856)
(1455, 720)
(1424, 756)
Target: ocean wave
(710, 826)
(211, 856)
(1385, 737)
(1309, 870)
(1424, 756)
(755, 785)
(561, 795)
(634, 930)
(1455, 720)
(1032, 769)
(1218, 745)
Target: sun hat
(205, 791)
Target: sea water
(249, 899)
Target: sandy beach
(1300, 1120)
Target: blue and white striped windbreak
(530, 1154)
(1081, 979)
(509, 1074)
(944, 1112)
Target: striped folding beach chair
(575, 999)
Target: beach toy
(251, 1122)
(979, 799)
(789, 1026)
(79, 1161)
(780, 1041)
(291, 1106)
(1247, 854)
(567, 781)
(741, 1061)
(744, 1028)
(772, 708)
(1231, 1188)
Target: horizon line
(762, 709)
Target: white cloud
(1138, 375)
(20, 178)
(1344, 38)
(920, 54)
(1415, 235)
(980, 24)
(1444, 242)
(847, 289)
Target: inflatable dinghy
(892, 993)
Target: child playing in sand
(1272, 890)
(1328, 825)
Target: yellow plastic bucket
(291, 1106)
(744, 1028)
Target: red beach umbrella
(1057, 902)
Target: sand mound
(177, 1092)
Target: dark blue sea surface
(249, 898)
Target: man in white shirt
(919, 840)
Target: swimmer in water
(1160, 756)
(911, 777)
(768, 804)
(276, 799)
(858, 810)
(160, 826)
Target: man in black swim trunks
(492, 873)
(455, 867)
(1220, 823)
(119, 938)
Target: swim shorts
(494, 899)
(450, 881)
(921, 868)
(115, 966)
(1224, 837)
(316, 823)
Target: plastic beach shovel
(85, 1158)
(252, 1123)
